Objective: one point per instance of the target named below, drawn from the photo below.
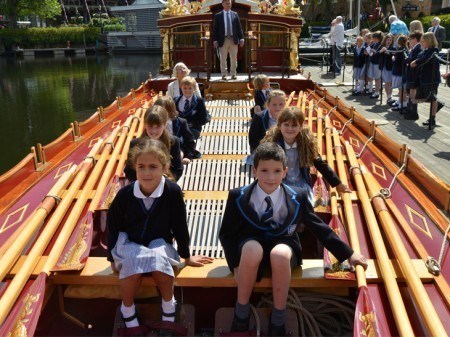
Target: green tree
(15, 9)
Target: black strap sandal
(139, 330)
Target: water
(39, 98)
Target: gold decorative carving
(71, 259)
(175, 8)
(294, 36)
(20, 330)
(286, 8)
(165, 49)
(368, 320)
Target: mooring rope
(318, 314)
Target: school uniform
(242, 222)
(141, 230)
(174, 90)
(301, 176)
(180, 128)
(176, 165)
(260, 124)
(359, 61)
(374, 69)
(428, 70)
(412, 80)
(398, 68)
(386, 64)
(260, 98)
(194, 112)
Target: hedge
(48, 37)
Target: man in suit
(227, 34)
(439, 31)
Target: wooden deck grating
(224, 145)
(230, 111)
(227, 125)
(215, 175)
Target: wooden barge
(55, 276)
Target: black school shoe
(240, 324)
(431, 121)
(375, 96)
(275, 330)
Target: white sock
(168, 308)
(361, 85)
(370, 87)
(128, 312)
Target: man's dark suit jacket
(219, 28)
(440, 35)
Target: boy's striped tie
(266, 217)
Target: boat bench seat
(97, 271)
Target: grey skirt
(131, 258)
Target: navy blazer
(398, 65)
(166, 219)
(258, 128)
(260, 98)
(358, 59)
(197, 115)
(181, 129)
(219, 28)
(176, 165)
(412, 73)
(241, 222)
(428, 67)
(321, 165)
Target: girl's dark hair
(306, 141)
(157, 115)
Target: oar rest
(98, 272)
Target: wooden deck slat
(233, 145)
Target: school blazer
(260, 98)
(358, 59)
(428, 67)
(176, 165)
(181, 129)
(241, 222)
(173, 89)
(219, 28)
(321, 165)
(166, 219)
(258, 128)
(196, 116)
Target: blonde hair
(364, 31)
(416, 25)
(430, 40)
(189, 81)
(306, 141)
(259, 80)
(180, 65)
(387, 36)
(157, 115)
(275, 93)
(153, 147)
(167, 103)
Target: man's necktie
(186, 105)
(434, 29)
(266, 217)
(228, 28)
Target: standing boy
(259, 231)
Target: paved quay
(430, 147)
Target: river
(40, 97)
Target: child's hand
(198, 260)
(342, 188)
(186, 161)
(413, 64)
(358, 259)
(113, 267)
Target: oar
(439, 280)
(15, 287)
(320, 191)
(79, 244)
(395, 298)
(421, 299)
(21, 238)
(333, 269)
